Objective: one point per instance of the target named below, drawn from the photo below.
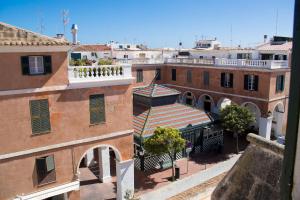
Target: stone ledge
(266, 144)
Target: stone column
(279, 122)
(89, 157)
(104, 164)
(265, 126)
(125, 178)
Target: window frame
(36, 67)
(206, 78)
(44, 172)
(46, 116)
(173, 74)
(189, 76)
(139, 75)
(94, 109)
(280, 83)
(158, 74)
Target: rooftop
(92, 47)
(155, 90)
(173, 115)
(15, 36)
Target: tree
(165, 141)
(236, 119)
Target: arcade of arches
(268, 123)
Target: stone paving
(204, 190)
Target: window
(251, 82)
(158, 74)
(128, 46)
(206, 78)
(189, 76)
(227, 80)
(97, 109)
(35, 65)
(40, 117)
(45, 168)
(75, 56)
(139, 75)
(173, 74)
(279, 83)
(125, 56)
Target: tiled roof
(14, 36)
(280, 47)
(155, 90)
(92, 47)
(173, 115)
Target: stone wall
(256, 174)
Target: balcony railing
(110, 74)
(269, 64)
(141, 61)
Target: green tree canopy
(236, 119)
(165, 141)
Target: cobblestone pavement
(204, 188)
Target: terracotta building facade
(52, 117)
(209, 87)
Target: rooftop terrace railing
(99, 73)
(268, 64)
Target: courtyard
(92, 188)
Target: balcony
(99, 75)
(265, 64)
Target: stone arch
(206, 102)
(277, 121)
(255, 110)
(223, 102)
(188, 98)
(109, 164)
(116, 151)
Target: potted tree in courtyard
(236, 119)
(165, 141)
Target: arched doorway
(254, 109)
(277, 121)
(188, 98)
(206, 103)
(223, 102)
(103, 174)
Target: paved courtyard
(91, 188)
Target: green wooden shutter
(40, 117)
(231, 80)
(25, 65)
(222, 79)
(206, 78)
(246, 82)
(50, 163)
(256, 81)
(47, 64)
(97, 109)
(282, 83)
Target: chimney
(265, 38)
(59, 36)
(74, 31)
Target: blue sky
(157, 23)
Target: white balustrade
(81, 74)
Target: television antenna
(65, 19)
